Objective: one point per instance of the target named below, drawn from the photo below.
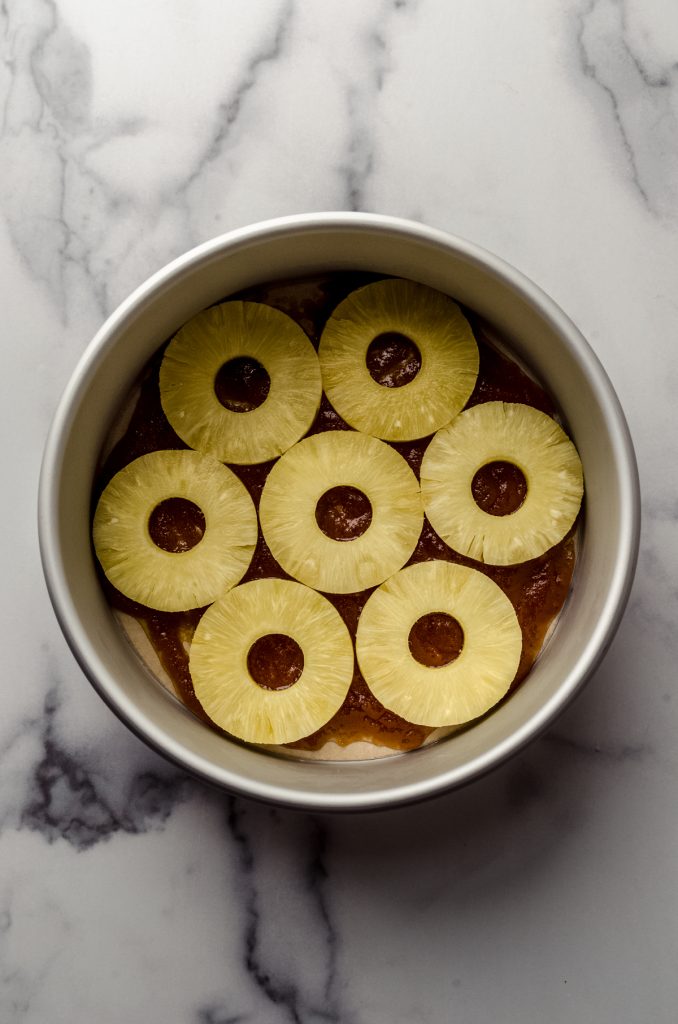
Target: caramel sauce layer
(537, 589)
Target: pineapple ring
(317, 464)
(448, 350)
(465, 688)
(216, 336)
(530, 440)
(219, 665)
(168, 581)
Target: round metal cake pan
(537, 331)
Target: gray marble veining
(618, 54)
(547, 132)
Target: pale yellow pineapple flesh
(219, 661)
(508, 432)
(467, 687)
(307, 468)
(215, 337)
(441, 333)
(174, 581)
(304, 474)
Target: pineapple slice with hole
(445, 694)
(260, 342)
(502, 432)
(448, 356)
(292, 520)
(221, 666)
(174, 580)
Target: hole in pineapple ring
(393, 359)
(343, 513)
(176, 525)
(499, 488)
(275, 661)
(436, 639)
(242, 384)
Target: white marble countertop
(545, 130)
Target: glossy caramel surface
(537, 589)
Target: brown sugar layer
(393, 359)
(436, 639)
(499, 488)
(343, 513)
(537, 589)
(275, 661)
(242, 384)
(176, 525)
